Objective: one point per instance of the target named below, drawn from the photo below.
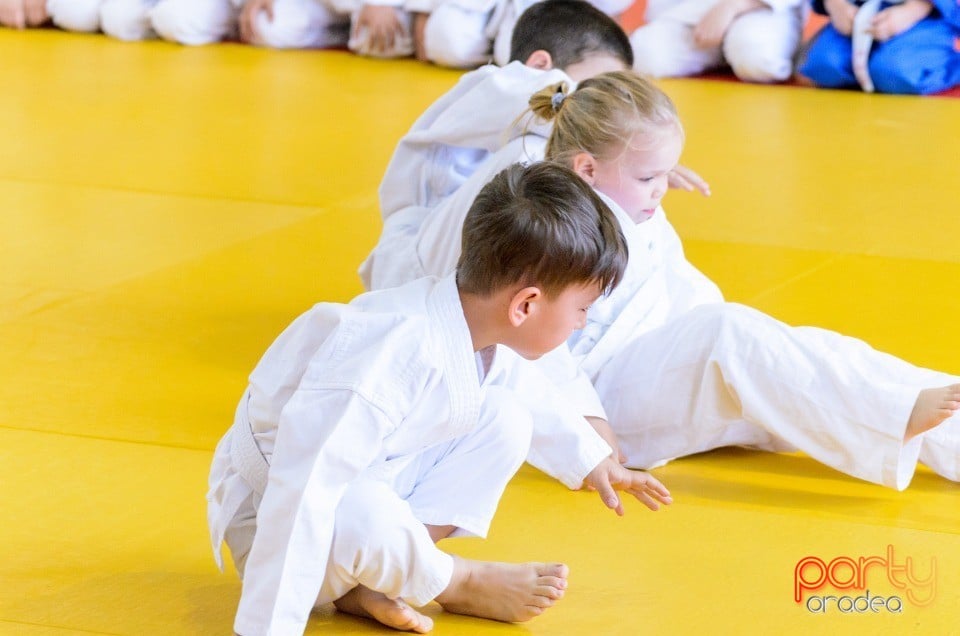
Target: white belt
(244, 452)
(863, 40)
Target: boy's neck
(485, 316)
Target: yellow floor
(166, 211)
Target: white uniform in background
(75, 15)
(673, 380)
(759, 45)
(362, 423)
(468, 33)
(296, 24)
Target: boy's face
(594, 65)
(637, 179)
(552, 320)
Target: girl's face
(637, 179)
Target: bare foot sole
(361, 601)
(503, 591)
(932, 407)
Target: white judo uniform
(362, 423)
(677, 370)
(75, 15)
(296, 24)
(468, 33)
(759, 45)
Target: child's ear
(586, 166)
(540, 59)
(523, 304)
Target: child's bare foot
(503, 591)
(362, 601)
(932, 407)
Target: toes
(552, 581)
(558, 570)
(548, 591)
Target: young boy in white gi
(758, 39)
(371, 430)
(468, 33)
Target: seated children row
(894, 47)
(456, 33)
(734, 376)
(370, 431)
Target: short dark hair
(539, 225)
(570, 31)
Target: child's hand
(894, 20)
(710, 31)
(35, 12)
(683, 178)
(841, 14)
(419, 30)
(609, 477)
(382, 25)
(12, 14)
(248, 16)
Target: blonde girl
(681, 372)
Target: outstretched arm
(609, 477)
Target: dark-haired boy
(371, 430)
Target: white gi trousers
(725, 374)
(380, 540)
(75, 15)
(296, 24)
(759, 45)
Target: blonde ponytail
(603, 115)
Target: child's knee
(762, 50)
(301, 24)
(455, 38)
(751, 65)
(126, 19)
(828, 60)
(75, 15)
(193, 22)
(655, 46)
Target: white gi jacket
(358, 387)
(659, 284)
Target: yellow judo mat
(166, 211)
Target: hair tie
(557, 100)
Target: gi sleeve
(564, 445)
(687, 286)
(325, 438)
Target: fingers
(246, 22)
(35, 13)
(248, 19)
(609, 496)
(683, 178)
(648, 490)
(12, 15)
